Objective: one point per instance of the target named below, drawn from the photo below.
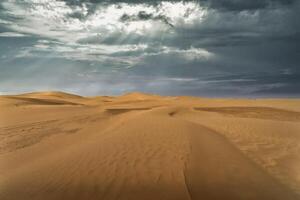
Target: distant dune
(59, 146)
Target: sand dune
(55, 145)
(256, 112)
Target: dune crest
(55, 94)
(56, 145)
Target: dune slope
(139, 146)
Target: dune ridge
(55, 145)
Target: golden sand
(59, 146)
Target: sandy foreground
(60, 146)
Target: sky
(213, 48)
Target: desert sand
(58, 146)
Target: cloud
(170, 47)
(143, 16)
(241, 5)
(12, 34)
(235, 5)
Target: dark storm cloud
(144, 16)
(78, 2)
(222, 4)
(239, 5)
(204, 47)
